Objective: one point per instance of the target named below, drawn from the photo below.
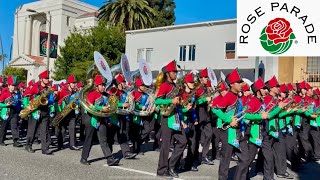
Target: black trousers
(168, 135)
(304, 138)
(139, 133)
(102, 136)
(206, 136)
(155, 126)
(292, 149)
(215, 143)
(279, 153)
(43, 124)
(121, 133)
(268, 158)
(227, 150)
(68, 123)
(252, 152)
(315, 136)
(14, 123)
(193, 145)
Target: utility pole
(2, 55)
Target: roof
(88, 14)
(183, 26)
(30, 60)
(36, 59)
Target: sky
(187, 11)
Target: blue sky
(187, 11)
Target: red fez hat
(172, 66)
(245, 87)
(317, 91)
(21, 85)
(273, 82)
(98, 80)
(234, 77)
(302, 85)
(283, 88)
(139, 82)
(204, 72)
(189, 78)
(259, 84)
(71, 79)
(44, 75)
(290, 87)
(11, 80)
(119, 78)
(308, 86)
(80, 84)
(31, 83)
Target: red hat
(308, 86)
(189, 78)
(71, 79)
(62, 84)
(222, 86)
(139, 82)
(55, 87)
(273, 82)
(21, 85)
(1, 79)
(283, 88)
(259, 84)
(98, 80)
(44, 75)
(31, 83)
(290, 87)
(302, 85)
(204, 73)
(245, 87)
(119, 78)
(317, 91)
(11, 80)
(172, 66)
(80, 84)
(234, 77)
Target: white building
(64, 16)
(194, 46)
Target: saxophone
(66, 110)
(40, 101)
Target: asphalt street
(17, 164)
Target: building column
(27, 45)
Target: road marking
(136, 171)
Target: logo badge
(145, 70)
(103, 65)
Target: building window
(230, 50)
(68, 21)
(192, 52)
(140, 54)
(313, 69)
(183, 50)
(149, 54)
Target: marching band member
(1, 83)
(121, 127)
(205, 124)
(98, 124)
(171, 127)
(65, 97)
(10, 101)
(81, 116)
(40, 117)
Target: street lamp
(49, 36)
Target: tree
(165, 12)
(20, 73)
(132, 14)
(77, 54)
(3, 58)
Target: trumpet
(226, 126)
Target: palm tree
(3, 58)
(132, 14)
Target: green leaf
(270, 43)
(264, 37)
(292, 36)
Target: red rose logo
(278, 30)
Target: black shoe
(234, 158)
(194, 168)
(207, 161)
(3, 144)
(165, 175)
(171, 149)
(286, 176)
(130, 155)
(84, 162)
(173, 173)
(16, 144)
(74, 148)
(29, 149)
(111, 161)
(157, 149)
(47, 152)
(37, 141)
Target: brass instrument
(226, 126)
(40, 101)
(150, 102)
(66, 110)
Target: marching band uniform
(40, 117)
(205, 124)
(81, 116)
(232, 138)
(10, 103)
(171, 129)
(94, 123)
(65, 97)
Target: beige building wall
(291, 69)
(300, 66)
